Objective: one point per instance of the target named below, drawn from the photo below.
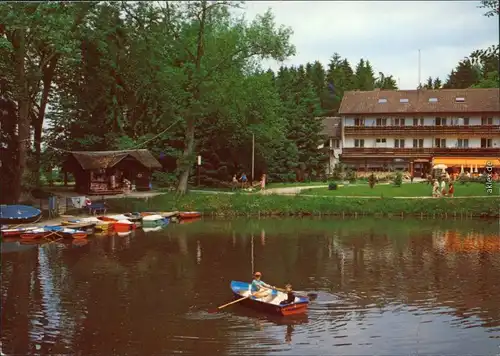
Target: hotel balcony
(419, 152)
(480, 130)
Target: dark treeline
(180, 79)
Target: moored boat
(19, 214)
(136, 218)
(16, 232)
(123, 226)
(34, 234)
(86, 226)
(270, 304)
(154, 221)
(189, 214)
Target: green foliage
(249, 204)
(332, 186)
(398, 179)
(164, 179)
(372, 180)
(350, 175)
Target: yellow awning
(466, 161)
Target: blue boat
(270, 304)
(18, 214)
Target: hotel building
(415, 129)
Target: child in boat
(258, 288)
(290, 295)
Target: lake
(384, 287)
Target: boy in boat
(290, 295)
(260, 289)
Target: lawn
(406, 190)
(293, 184)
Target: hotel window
(335, 143)
(466, 121)
(486, 142)
(381, 140)
(359, 122)
(399, 122)
(486, 121)
(440, 121)
(463, 143)
(359, 143)
(399, 143)
(381, 122)
(418, 121)
(418, 143)
(440, 143)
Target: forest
(181, 79)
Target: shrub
(398, 179)
(350, 176)
(164, 179)
(332, 186)
(372, 180)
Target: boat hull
(189, 214)
(18, 214)
(298, 307)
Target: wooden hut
(107, 172)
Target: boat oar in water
(228, 304)
(311, 296)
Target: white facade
(431, 140)
(421, 121)
(335, 150)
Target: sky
(388, 33)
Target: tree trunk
(185, 162)
(23, 102)
(195, 90)
(48, 74)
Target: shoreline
(233, 205)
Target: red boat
(189, 214)
(35, 234)
(270, 304)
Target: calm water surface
(384, 287)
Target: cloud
(388, 33)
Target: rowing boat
(270, 304)
(189, 214)
(19, 214)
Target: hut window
(433, 100)
(382, 100)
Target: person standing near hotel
(443, 187)
(263, 182)
(435, 188)
(451, 191)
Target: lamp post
(199, 164)
(253, 156)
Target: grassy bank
(405, 190)
(266, 205)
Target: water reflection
(399, 287)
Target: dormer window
(382, 101)
(403, 100)
(460, 100)
(433, 100)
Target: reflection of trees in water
(381, 271)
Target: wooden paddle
(311, 296)
(230, 303)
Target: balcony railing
(422, 130)
(411, 152)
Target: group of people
(260, 289)
(439, 188)
(244, 181)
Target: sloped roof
(331, 126)
(107, 159)
(474, 101)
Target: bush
(332, 186)
(350, 176)
(398, 179)
(372, 180)
(164, 179)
